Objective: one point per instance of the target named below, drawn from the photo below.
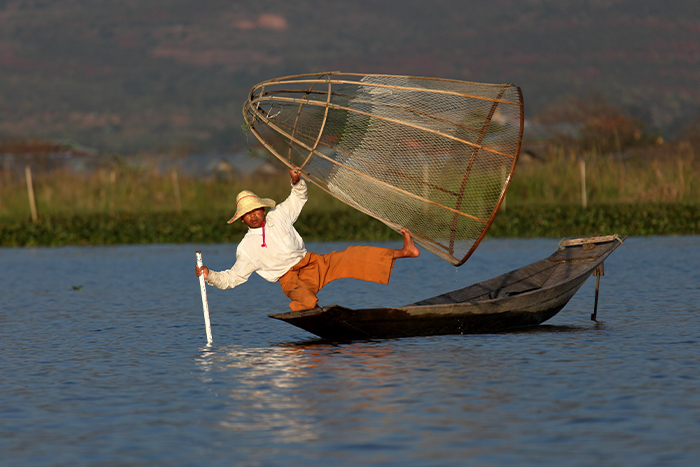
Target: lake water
(104, 362)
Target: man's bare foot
(409, 249)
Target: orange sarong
(303, 281)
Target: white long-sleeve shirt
(284, 249)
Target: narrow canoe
(524, 297)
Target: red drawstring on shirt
(263, 227)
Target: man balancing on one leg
(273, 248)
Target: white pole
(584, 201)
(176, 191)
(205, 304)
(30, 192)
(113, 186)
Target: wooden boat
(524, 297)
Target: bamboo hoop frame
(323, 156)
(270, 92)
(391, 120)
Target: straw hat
(247, 201)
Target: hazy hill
(135, 75)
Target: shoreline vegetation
(164, 227)
(562, 196)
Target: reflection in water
(260, 400)
(281, 389)
(359, 391)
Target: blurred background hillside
(170, 76)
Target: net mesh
(428, 155)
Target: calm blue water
(117, 372)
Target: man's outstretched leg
(313, 272)
(367, 263)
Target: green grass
(344, 225)
(574, 221)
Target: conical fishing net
(432, 156)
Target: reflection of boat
(527, 296)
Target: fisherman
(273, 248)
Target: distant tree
(593, 124)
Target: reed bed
(608, 180)
(633, 195)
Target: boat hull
(525, 297)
